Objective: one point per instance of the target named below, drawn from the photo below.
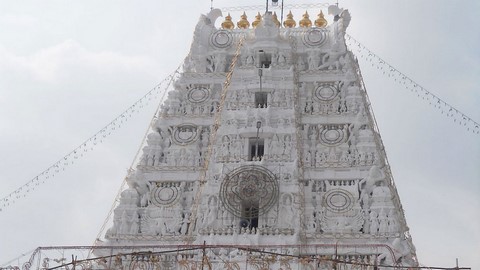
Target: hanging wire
(298, 135)
(267, 257)
(213, 137)
(446, 109)
(169, 79)
(291, 6)
(88, 145)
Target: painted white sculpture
(321, 165)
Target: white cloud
(69, 59)
(102, 58)
(17, 20)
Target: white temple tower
(266, 147)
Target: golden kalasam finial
(228, 24)
(305, 22)
(275, 19)
(289, 22)
(321, 22)
(258, 19)
(243, 23)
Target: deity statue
(374, 175)
(300, 64)
(373, 223)
(282, 60)
(287, 213)
(392, 223)
(220, 63)
(313, 59)
(212, 212)
(134, 228)
(383, 222)
(210, 63)
(124, 228)
(331, 60)
(185, 223)
(308, 159)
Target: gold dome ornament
(275, 19)
(321, 22)
(243, 23)
(258, 19)
(305, 22)
(228, 24)
(289, 22)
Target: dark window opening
(256, 149)
(261, 99)
(249, 215)
(265, 59)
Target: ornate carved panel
(198, 93)
(339, 201)
(221, 39)
(314, 37)
(249, 185)
(326, 92)
(332, 135)
(185, 134)
(166, 193)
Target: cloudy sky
(67, 68)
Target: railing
(325, 256)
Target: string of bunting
(285, 7)
(265, 257)
(446, 109)
(88, 145)
(136, 159)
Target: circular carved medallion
(314, 37)
(221, 39)
(339, 201)
(332, 135)
(326, 92)
(165, 194)
(198, 95)
(249, 187)
(185, 134)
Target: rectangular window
(249, 215)
(261, 99)
(256, 149)
(265, 59)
